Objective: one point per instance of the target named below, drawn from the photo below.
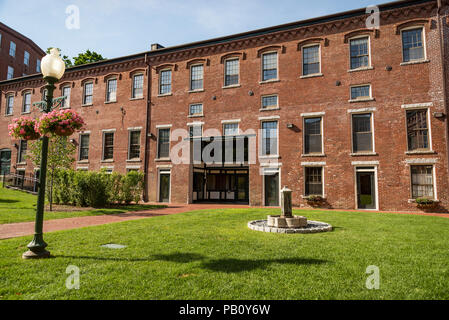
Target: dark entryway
(164, 187)
(5, 162)
(366, 189)
(271, 184)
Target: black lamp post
(53, 68)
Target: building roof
(239, 36)
(22, 37)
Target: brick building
(327, 107)
(19, 56)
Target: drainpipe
(443, 63)
(147, 129)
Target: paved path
(15, 230)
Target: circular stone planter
(312, 227)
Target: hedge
(96, 189)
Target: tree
(67, 61)
(87, 57)
(61, 155)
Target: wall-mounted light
(290, 125)
(438, 115)
(338, 83)
(251, 93)
(388, 68)
(15, 145)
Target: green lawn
(17, 206)
(213, 255)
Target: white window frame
(38, 65)
(190, 78)
(67, 101)
(158, 128)
(7, 104)
(79, 151)
(267, 171)
(311, 116)
(133, 93)
(429, 126)
(8, 77)
(108, 100)
(314, 165)
(84, 94)
(163, 170)
(358, 112)
(434, 176)
(19, 153)
(358, 168)
(159, 92)
(196, 115)
(11, 43)
(224, 72)
(370, 65)
(25, 60)
(302, 60)
(418, 26)
(130, 131)
(270, 156)
(104, 145)
(261, 67)
(370, 98)
(268, 96)
(24, 101)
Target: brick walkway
(15, 230)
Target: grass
(17, 206)
(213, 255)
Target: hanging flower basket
(60, 122)
(24, 128)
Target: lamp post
(53, 68)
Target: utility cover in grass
(113, 246)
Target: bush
(96, 189)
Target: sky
(116, 28)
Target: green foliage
(87, 57)
(97, 189)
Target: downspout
(147, 129)
(443, 63)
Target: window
(270, 102)
(88, 93)
(196, 110)
(362, 134)
(361, 92)
(108, 146)
(413, 45)
(312, 136)
(134, 145)
(417, 130)
(26, 107)
(269, 66)
(359, 53)
(165, 82)
(231, 129)
(196, 77)
(111, 94)
(137, 86)
(422, 182)
(311, 60)
(163, 150)
(22, 151)
(314, 181)
(232, 72)
(196, 131)
(10, 73)
(38, 65)
(26, 58)
(9, 104)
(12, 49)
(84, 147)
(66, 93)
(269, 138)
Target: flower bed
(24, 128)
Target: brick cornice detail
(312, 40)
(233, 55)
(270, 48)
(171, 66)
(197, 61)
(361, 32)
(411, 23)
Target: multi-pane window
(361, 92)
(9, 104)
(314, 181)
(26, 107)
(84, 147)
(134, 145)
(413, 45)
(359, 53)
(196, 109)
(196, 77)
(269, 138)
(12, 49)
(232, 72)
(163, 149)
(362, 134)
(311, 60)
(88, 93)
(10, 73)
(38, 65)
(422, 182)
(66, 91)
(108, 146)
(165, 82)
(137, 86)
(111, 94)
(196, 131)
(312, 136)
(231, 129)
(269, 102)
(417, 130)
(22, 151)
(269, 66)
(26, 58)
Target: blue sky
(117, 28)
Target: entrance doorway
(164, 186)
(366, 188)
(271, 186)
(5, 162)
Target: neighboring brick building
(355, 115)
(19, 56)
